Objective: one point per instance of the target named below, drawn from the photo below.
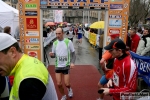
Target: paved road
(85, 54)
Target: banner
(93, 38)
(118, 18)
(58, 15)
(50, 38)
(29, 21)
(143, 64)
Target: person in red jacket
(134, 40)
(124, 77)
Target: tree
(139, 10)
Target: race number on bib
(62, 58)
(116, 79)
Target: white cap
(6, 41)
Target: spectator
(44, 31)
(107, 66)
(139, 32)
(101, 37)
(7, 30)
(17, 34)
(124, 78)
(134, 40)
(144, 44)
(128, 41)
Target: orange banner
(118, 18)
(29, 18)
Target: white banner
(58, 15)
(86, 34)
(50, 37)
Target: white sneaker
(70, 93)
(64, 97)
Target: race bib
(62, 58)
(116, 79)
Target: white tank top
(70, 35)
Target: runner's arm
(73, 56)
(31, 89)
(130, 77)
(53, 51)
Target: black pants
(100, 53)
(71, 39)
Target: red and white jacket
(124, 77)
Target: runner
(62, 49)
(80, 33)
(31, 78)
(125, 71)
(4, 88)
(70, 34)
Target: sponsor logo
(30, 6)
(115, 22)
(115, 16)
(135, 95)
(29, 0)
(32, 40)
(116, 6)
(31, 23)
(30, 13)
(33, 47)
(32, 33)
(114, 31)
(32, 54)
(43, 2)
(115, 12)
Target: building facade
(80, 16)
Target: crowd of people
(120, 71)
(32, 81)
(28, 77)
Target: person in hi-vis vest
(31, 78)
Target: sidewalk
(84, 79)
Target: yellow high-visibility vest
(27, 67)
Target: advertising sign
(31, 23)
(115, 16)
(33, 54)
(118, 18)
(32, 40)
(32, 33)
(115, 22)
(74, 4)
(29, 18)
(33, 47)
(114, 31)
(116, 6)
(30, 6)
(30, 13)
(29, 0)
